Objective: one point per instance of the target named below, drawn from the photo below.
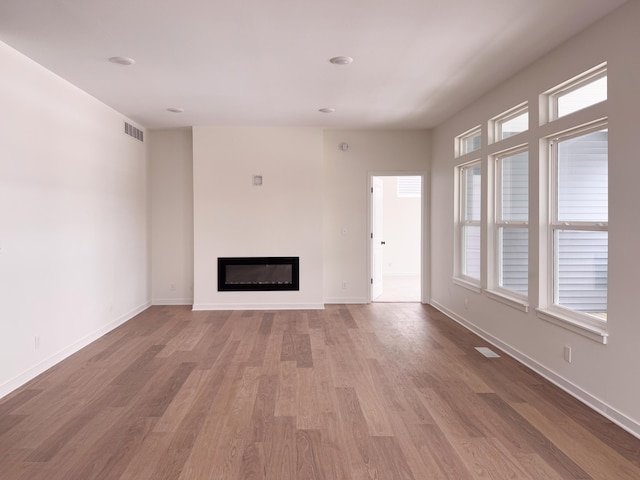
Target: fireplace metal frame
(223, 262)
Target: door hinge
(372, 281)
(371, 189)
(371, 234)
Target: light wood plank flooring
(381, 391)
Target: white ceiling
(265, 62)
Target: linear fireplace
(258, 273)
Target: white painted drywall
(171, 197)
(234, 218)
(73, 228)
(603, 375)
(346, 200)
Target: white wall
(346, 205)
(73, 229)
(226, 158)
(171, 196)
(602, 375)
(234, 218)
(402, 229)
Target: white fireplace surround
(232, 218)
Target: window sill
(468, 284)
(514, 302)
(592, 332)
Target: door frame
(376, 243)
(425, 246)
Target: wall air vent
(133, 132)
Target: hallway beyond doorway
(400, 288)
(396, 238)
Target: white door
(377, 242)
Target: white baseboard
(258, 306)
(575, 391)
(346, 300)
(49, 362)
(171, 301)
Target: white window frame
(495, 124)
(460, 141)
(460, 276)
(582, 323)
(596, 73)
(512, 297)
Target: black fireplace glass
(258, 273)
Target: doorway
(396, 238)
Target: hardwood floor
(381, 391)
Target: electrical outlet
(172, 287)
(567, 353)
(36, 342)
(344, 284)
(466, 303)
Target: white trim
(172, 301)
(56, 358)
(585, 78)
(578, 130)
(462, 282)
(346, 300)
(495, 124)
(592, 332)
(617, 417)
(506, 299)
(257, 306)
(459, 144)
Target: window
(511, 235)
(565, 248)
(469, 141)
(579, 222)
(409, 186)
(511, 123)
(470, 176)
(581, 92)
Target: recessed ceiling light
(175, 109)
(327, 110)
(341, 60)
(122, 60)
